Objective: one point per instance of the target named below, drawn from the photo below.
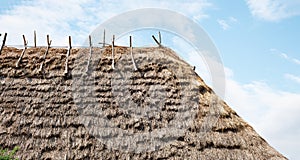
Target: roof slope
(53, 116)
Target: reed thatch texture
(50, 116)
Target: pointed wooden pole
(103, 38)
(34, 39)
(159, 37)
(157, 42)
(112, 52)
(45, 54)
(23, 52)
(3, 43)
(90, 56)
(131, 50)
(67, 58)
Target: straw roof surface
(50, 115)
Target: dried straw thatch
(42, 111)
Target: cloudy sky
(258, 41)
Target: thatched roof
(50, 115)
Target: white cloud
(273, 113)
(57, 18)
(285, 56)
(232, 19)
(223, 24)
(274, 10)
(297, 61)
(227, 23)
(293, 77)
(78, 18)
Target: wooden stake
(90, 56)
(67, 58)
(130, 41)
(90, 40)
(48, 41)
(132, 59)
(23, 52)
(159, 37)
(156, 41)
(103, 38)
(25, 42)
(34, 39)
(45, 54)
(3, 43)
(112, 52)
(70, 46)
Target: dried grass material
(38, 111)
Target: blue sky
(258, 42)
(253, 46)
